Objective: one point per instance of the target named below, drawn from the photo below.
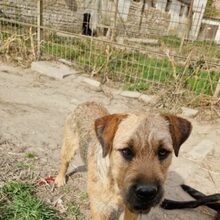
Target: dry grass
(20, 48)
(175, 95)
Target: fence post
(142, 14)
(186, 34)
(39, 29)
(115, 21)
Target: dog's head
(140, 149)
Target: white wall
(198, 9)
(123, 8)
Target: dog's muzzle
(140, 198)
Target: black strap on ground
(211, 201)
(198, 195)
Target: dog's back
(82, 120)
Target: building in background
(135, 18)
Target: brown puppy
(127, 157)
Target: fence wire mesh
(145, 44)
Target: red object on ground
(50, 179)
(46, 180)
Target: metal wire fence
(142, 44)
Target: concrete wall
(58, 14)
(154, 21)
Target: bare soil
(32, 112)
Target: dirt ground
(32, 112)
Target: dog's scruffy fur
(127, 157)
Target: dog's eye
(127, 153)
(163, 154)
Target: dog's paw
(60, 181)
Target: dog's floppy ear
(105, 129)
(180, 130)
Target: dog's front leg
(129, 215)
(70, 145)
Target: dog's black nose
(146, 192)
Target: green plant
(84, 196)
(171, 41)
(21, 204)
(142, 86)
(23, 165)
(205, 82)
(30, 155)
(217, 54)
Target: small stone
(91, 82)
(130, 94)
(52, 69)
(148, 99)
(144, 41)
(201, 150)
(189, 112)
(67, 62)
